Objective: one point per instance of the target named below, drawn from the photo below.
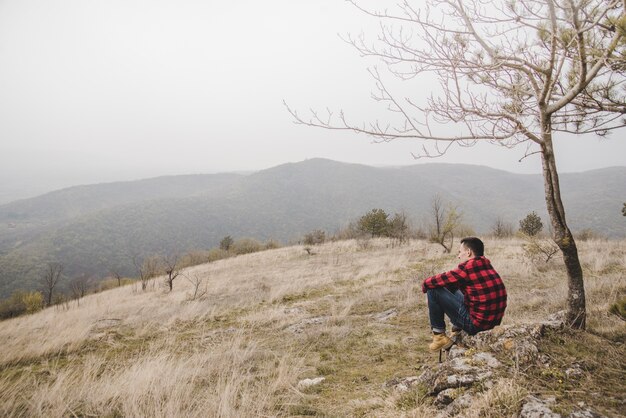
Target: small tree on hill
(374, 222)
(79, 286)
(398, 228)
(624, 210)
(172, 269)
(445, 221)
(50, 279)
(315, 237)
(147, 269)
(226, 243)
(531, 225)
(501, 229)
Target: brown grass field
(268, 320)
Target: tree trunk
(576, 314)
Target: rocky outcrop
(477, 363)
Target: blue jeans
(443, 301)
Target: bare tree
(117, 275)
(147, 269)
(196, 281)
(510, 72)
(445, 221)
(50, 279)
(398, 229)
(79, 286)
(502, 229)
(172, 269)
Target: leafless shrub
(197, 282)
(502, 229)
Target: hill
(92, 229)
(265, 327)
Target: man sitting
(473, 296)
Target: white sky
(94, 91)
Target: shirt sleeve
(452, 277)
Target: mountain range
(93, 229)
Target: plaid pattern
(484, 293)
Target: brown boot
(440, 342)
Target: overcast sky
(94, 91)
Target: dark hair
(475, 245)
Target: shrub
(226, 243)
(374, 223)
(272, 245)
(531, 225)
(112, 283)
(537, 249)
(246, 246)
(193, 258)
(33, 302)
(502, 229)
(215, 254)
(13, 306)
(349, 232)
(587, 234)
(315, 237)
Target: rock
(459, 404)
(293, 311)
(299, 327)
(402, 384)
(587, 413)
(574, 372)
(488, 359)
(446, 397)
(306, 383)
(536, 408)
(456, 352)
(383, 316)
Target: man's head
(471, 247)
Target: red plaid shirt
(483, 290)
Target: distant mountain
(91, 229)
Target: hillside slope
(261, 324)
(92, 229)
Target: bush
(587, 234)
(193, 258)
(502, 229)
(112, 283)
(33, 302)
(539, 250)
(13, 306)
(349, 232)
(215, 254)
(226, 243)
(246, 246)
(315, 237)
(374, 223)
(531, 225)
(272, 245)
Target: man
(473, 296)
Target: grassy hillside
(92, 229)
(352, 313)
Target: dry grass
(266, 321)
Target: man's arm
(449, 278)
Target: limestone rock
(306, 383)
(574, 372)
(537, 408)
(446, 397)
(402, 384)
(383, 316)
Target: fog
(94, 91)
